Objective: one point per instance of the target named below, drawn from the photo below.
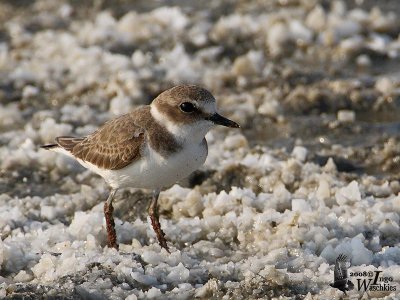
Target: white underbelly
(153, 171)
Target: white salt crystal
(329, 254)
(250, 160)
(323, 268)
(389, 228)
(194, 204)
(45, 268)
(29, 91)
(300, 153)
(85, 223)
(143, 278)
(65, 10)
(323, 190)
(22, 76)
(346, 116)
(48, 212)
(385, 85)
(179, 66)
(383, 22)
(270, 107)
(378, 42)
(338, 7)
(120, 105)
(178, 274)
(278, 35)
(363, 60)
(348, 194)
(358, 221)
(153, 293)
(152, 257)
(4, 55)
(2, 254)
(49, 129)
(352, 44)
(355, 250)
(300, 205)
(139, 59)
(10, 115)
(281, 193)
(361, 255)
(235, 141)
(22, 276)
(131, 297)
(316, 19)
(249, 64)
(172, 17)
(299, 32)
(330, 166)
(346, 28)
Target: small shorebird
(151, 147)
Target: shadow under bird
(151, 147)
(340, 274)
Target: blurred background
(323, 74)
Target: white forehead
(208, 107)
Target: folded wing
(113, 146)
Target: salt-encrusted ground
(312, 173)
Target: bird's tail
(64, 144)
(49, 147)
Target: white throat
(184, 133)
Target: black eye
(187, 107)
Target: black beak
(220, 120)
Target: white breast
(152, 171)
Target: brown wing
(113, 146)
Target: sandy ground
(312, 173)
